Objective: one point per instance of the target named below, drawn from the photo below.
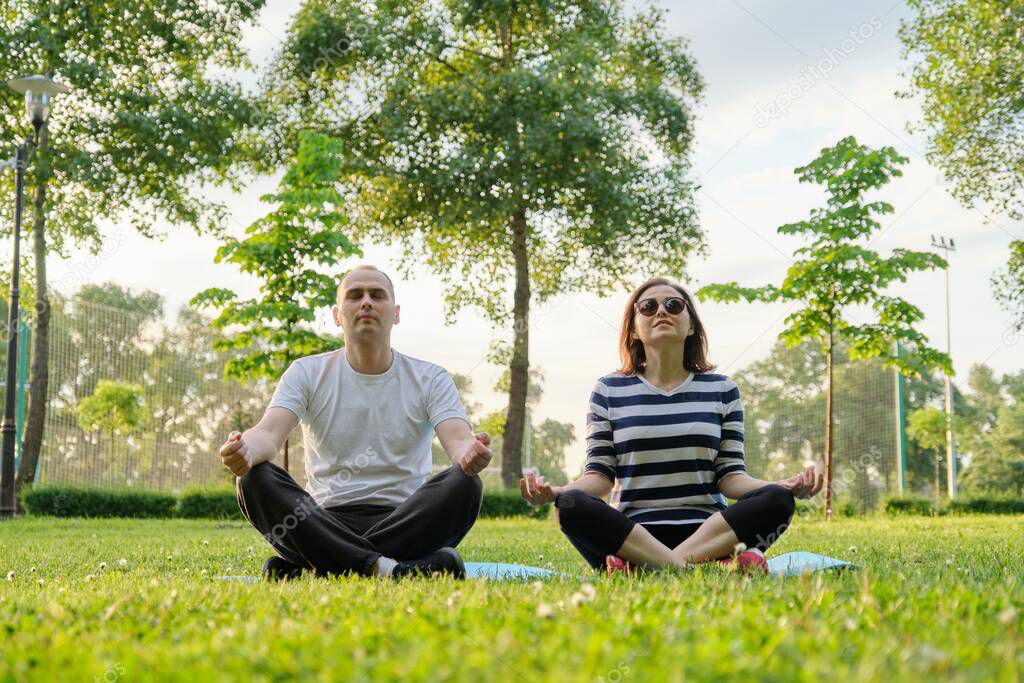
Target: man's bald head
(373, 272)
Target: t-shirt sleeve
(729, 459)
(293, 391)
(443, 402)
(601, 456)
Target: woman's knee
(571, 509)
(779, 502)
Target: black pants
(597, 530)
(350, 538)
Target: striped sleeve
(601, 456)
(729, 459)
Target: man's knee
(258, 479)
(465, 486)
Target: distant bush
(77, 501)
(200, 503)
(999, 505)
(510, 503)
(909, 505)
(218, 503)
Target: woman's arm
(536, 491)
(807, 484)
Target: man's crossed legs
(358, 538)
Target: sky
(784, 79)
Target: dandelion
(89, 577)
(544, 611)
(122, 562)
(577, 599)
(589, 590)
(103, 565)
(852, 549)
(41, 582)
(10, 575)
(1007, 616)
(205, 542)
(31, 570)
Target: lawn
(124, 600)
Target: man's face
(365, 308)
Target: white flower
(89, 577)
(41, 582)
(544, 611)
(10, 575)
(589, 590)
(103, 565)
(122, 562)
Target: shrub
(986, 505)
(214, 503)
(77, 501)
(909, 505)
(509, 503)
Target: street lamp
(39, 92)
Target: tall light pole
(39, 92)
(948, 246)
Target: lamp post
(39, 92)
(948, 246)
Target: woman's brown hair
(695, 348)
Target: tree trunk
(828, 427)
(519, 368)
(39, 377)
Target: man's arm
(471, 452)
(260, 443)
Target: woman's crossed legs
(597, 529)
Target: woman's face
(662, 327)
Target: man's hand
(477, 455)
(807, 484)
(234, 454)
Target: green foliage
(909, 505)
(113, 407)
(836, 269)
(146, 117)
(538, 147)
(509, 503)
(1008, 284)
(201, 503)
(206, 503)
(990, 505)
(966, 69)
(284, 250)
(55, 500)
(927, 427)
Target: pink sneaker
(749, 562)
(614, 564)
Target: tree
(540, 146)
(114, 407)
(283, 250)
(145, 123)
(968, 70)
(927, 428)
(837, 271)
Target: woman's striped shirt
(668, 449)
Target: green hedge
(909, 505)
(986, 505)
(197, 503)
(510, 503)
(219, 503)
(77, 501)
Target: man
(366, 413)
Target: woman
(671, 432)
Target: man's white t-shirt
(367, 437)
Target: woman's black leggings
(597, 529)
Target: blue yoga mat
(789, 564)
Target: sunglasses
(674, 305)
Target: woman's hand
(536, 491)
(804, 485)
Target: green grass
(936, 598)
